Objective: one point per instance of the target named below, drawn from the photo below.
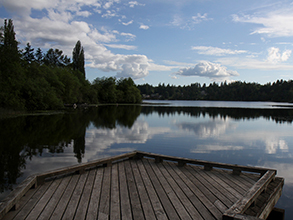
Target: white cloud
(250, 63)
(122, 46)
(276, 23)
(216, 51)
(214, 71)
(127, 23)
(135, 3)
(109, 14)
(59, 28)
(274, 55)
(200, 18)
(188, 23)
(145, 27)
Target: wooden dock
(142, 185)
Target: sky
(176, 42)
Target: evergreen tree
(56, 58)
(39, 56)
(8, 43)
(78, 58)
(28, 54)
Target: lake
(244, 133)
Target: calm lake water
(244, 133)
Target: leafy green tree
(128, 93)
(106, 89)
(78, 58)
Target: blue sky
(164, 41)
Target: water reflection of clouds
(211, 128)
(273, 145)
(99, 140)
(209, 148)
(271, 141)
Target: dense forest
(279, 91)
(37, 80)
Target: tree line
(279, 91)
(35, 80)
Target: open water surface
(244, 133)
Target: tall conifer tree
(78, 58)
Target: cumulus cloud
(60, 28)
(214, 71)
(276, 23)
(216, 51)
(274, 55)
(143, 26)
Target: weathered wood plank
(241, 205)
(136, 206)
(145, 201)
(82, 167)
(21, 203)
(204, 163)
(203, 203)
(50, 207)
(115, 198)
(228, 179)
(125, 201)
(155, 202)
(168, 207)
(64, 200)
(25, 211)
(275, 194)
(84, 201)
(173, 197)
(92, 212)
(185, 195)
(237, 179)
(144, 189)
(104, 207)
(219, 192)
(14, 197)
(229, 188)
(75, 198)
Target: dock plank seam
(185, 196)
(222, 195)
(144, 197)
(167, 205)
(204, 206)
(172, 195)
(92, 211)
(154, 198)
